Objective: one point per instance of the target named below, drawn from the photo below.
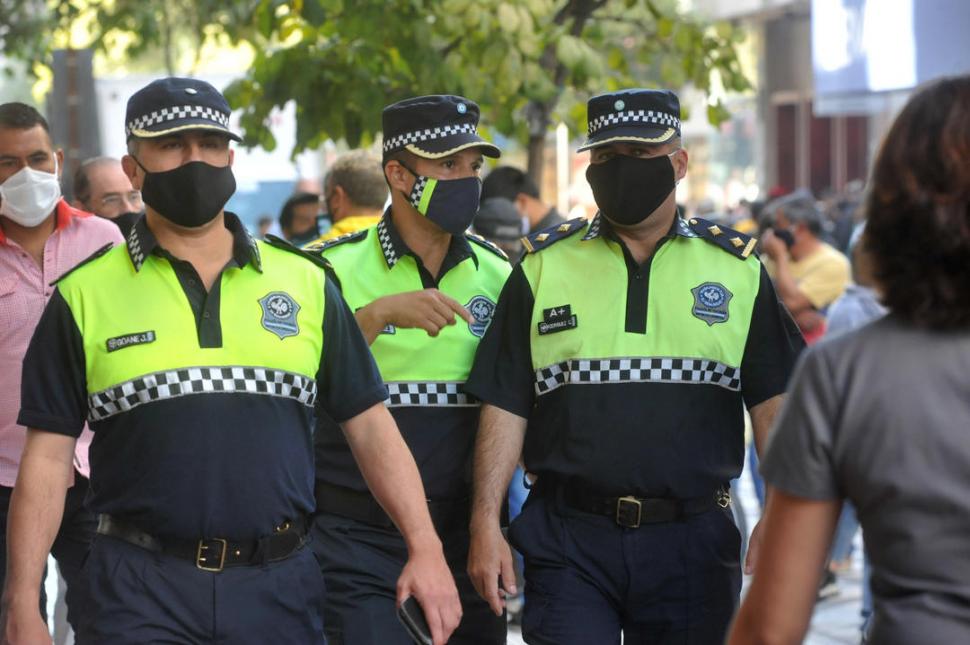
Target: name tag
(128, 340)
(556, 319)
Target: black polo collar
(394, 247)
(142, 243)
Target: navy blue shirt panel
(651, 439)
(441, 440)
(221, 464)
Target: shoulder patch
(535, 242)
(280, 243)
(734, 242)
(481, 241)
(318, 246)
(94, 256)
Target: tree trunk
(537, 115)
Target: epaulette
(734, 242)
(318, 246)
(279, 243)
(481, 241)
(94, 256)
(541, 239)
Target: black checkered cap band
(181, 112)
(427, 394)
(633, 116)
(200, 380)
(637, 370)
(402, 140)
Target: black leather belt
(447, 515)
(630, 511)
(213, 554)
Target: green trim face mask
(450, 203)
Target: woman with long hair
(881, 415)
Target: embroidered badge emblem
(120, 342)
(279, 314)
(711, 302)
(482, 309)
(556, 319)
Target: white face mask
(28, 196)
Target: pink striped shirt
(24, 290)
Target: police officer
(424, 292)
(627, 346)
(197, 355)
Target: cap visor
(438, 148)
(183, 127)
(629, 135)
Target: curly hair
(918, 209)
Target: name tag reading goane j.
(129, 340)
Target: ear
(130, 167)
(680, 160)
(59, 155)
(398, 177)
(232, 156)
(338, 197)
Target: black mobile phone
(411, 616)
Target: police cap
(173, 104)
(433, 127)
(632, 116)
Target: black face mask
(785, 235)
(126, 221)
(628, 189)
(450, 203)
(190, 195)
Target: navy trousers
(138, 596)
(588, 579)
(70, 545)
(361, 564)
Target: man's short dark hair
(361, 176)
(82, 180)
(20, 116)
(508, 182)
(286, 215)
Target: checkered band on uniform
(637, 370)
(174, 383)
(402, 140)
(594, 228)
(427, 394)
(134, 248)
(387, 245)
(418, 190)
(180, 112)
(633, 116)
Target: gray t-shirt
(881, 416)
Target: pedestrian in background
(41, 239)
(881, 415)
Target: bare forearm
(498, 447)
(36, 509)
(392, 475)
(763, 418)
(370, 322)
